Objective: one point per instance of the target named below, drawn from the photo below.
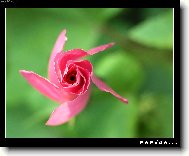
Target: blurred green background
(139, 67)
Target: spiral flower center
(70, 77)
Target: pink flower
(69, 80)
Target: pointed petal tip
(125, 101)
(63, 31)
(49, 124)
(23, 72)
(112, 43)
(20, 71)
(26, 73)
(53, 123)
(100, 48)
(102, 86)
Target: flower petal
(76, 88)
(85, 64)
(68, 110)
(102, 86)
(86, 75)
(43, 85)
(100, 48)
(58, 47)
(61, 60)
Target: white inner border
(173, 72)
(5, 72)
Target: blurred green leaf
(93, 16)
(105, 116)
(120, 71)
(16, 128)
(166, 115)
(158, 79)
(102, 14)
(152, 12)
(155, 31)
(156, 116)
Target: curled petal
(61, 60)
(102, 86)
(100, 48)
(68, 110)
(86, 75)
(81, 84)
(85, 64)
(76, 88)
(70, 75)
(43, 85)
(58, 47)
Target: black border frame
(102, 142)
